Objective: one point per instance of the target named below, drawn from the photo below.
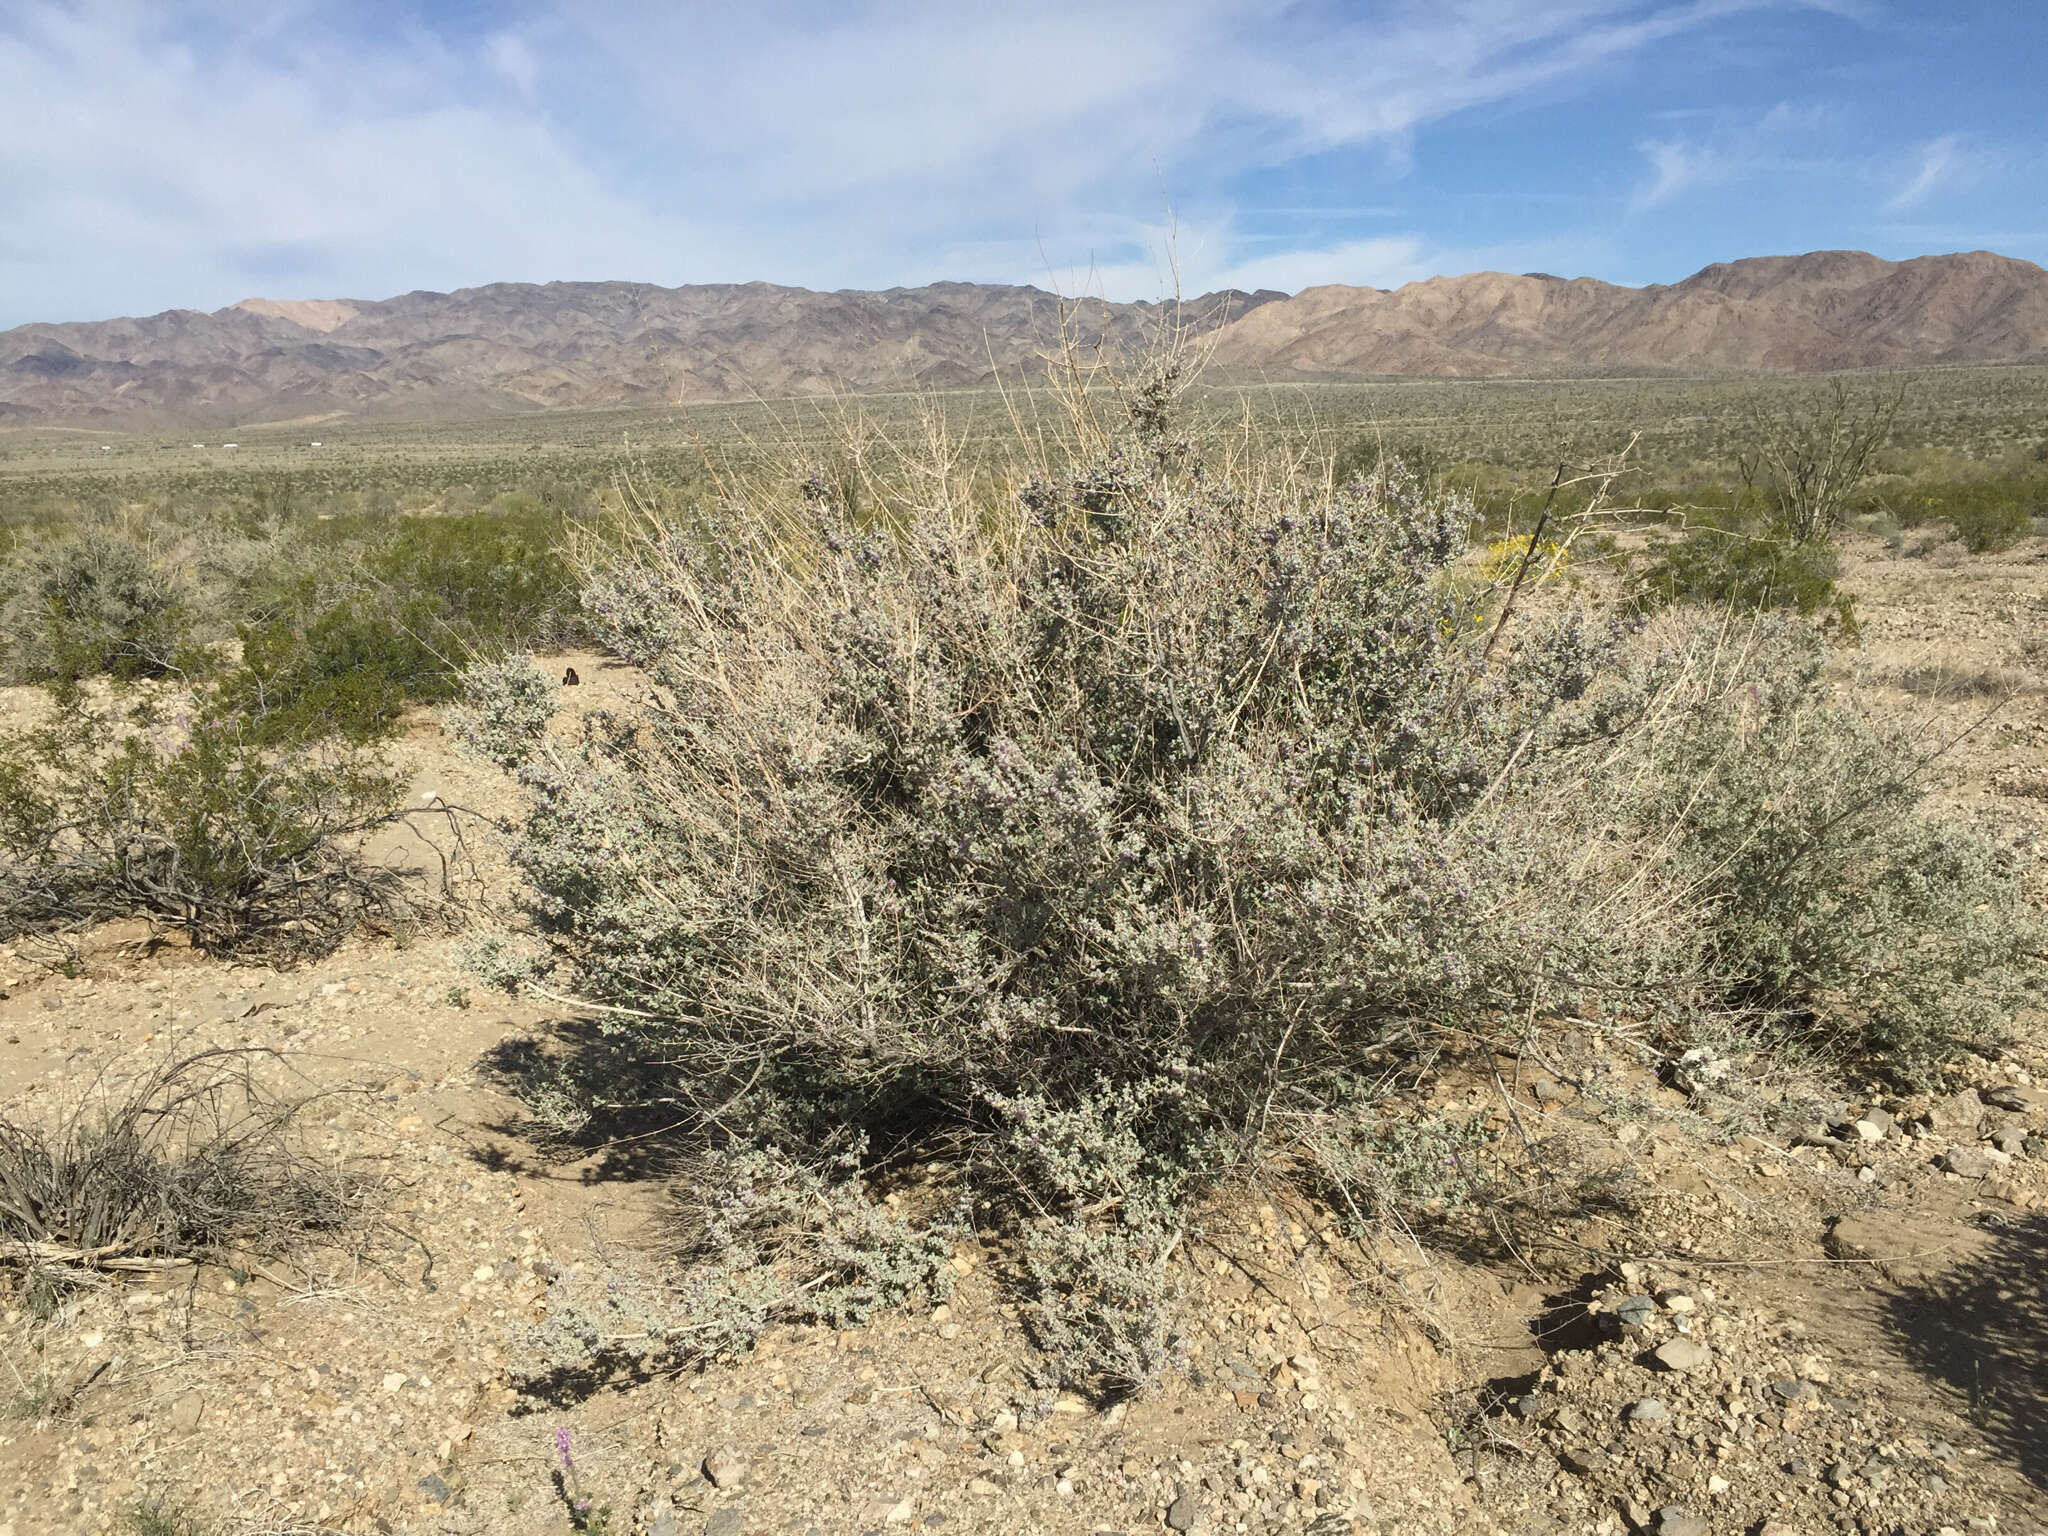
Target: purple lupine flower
(562, 1445)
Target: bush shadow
(588, 1101)
(1982, 1330)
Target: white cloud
(1731, 149)
(1943, 165)
(514, 61)
(196, 151)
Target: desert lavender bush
(1084, 834)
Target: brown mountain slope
(1826, 310)
(517, 346)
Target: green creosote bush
(1988, 515)
(354, 668)
(496, 577)
(1083, 836)
(1749, 566)
(202, 815)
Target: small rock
(1635, 1311)
(1872, 1124)
(729, 1521)
(1529, 1406)
(1647, 1410)
(1683, 1355)
(664, 1524)
(725, 1467)
(1182, 1513)
(2010, 1139)
(1679, 1302)
(2014, 1099)
(435, 1488)
(1795, 1391)
(1675, 1520)
(1966, 1163)
(981, 1487)
(1960, 1114)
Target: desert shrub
(496, 578)
(91, 602)
(163, 1516)
(1988, 515)
(1831, 907)
(1748, 566)
(1381, 1159)
(191, 1159)
(1074, 833)
(199, 815)
(504, 707)
(353, 668)
(1806, 455)
(767, 1239)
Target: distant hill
(519, 346)
(1826, 310)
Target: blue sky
(189, 153)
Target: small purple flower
(562, 1445)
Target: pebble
(1675, 1520)
(1684, 1355)
(1647, 1410)
(1183, 1512)
(725, 1467)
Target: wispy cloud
(1732, 148)
(1942, 165)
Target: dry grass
(197, 1158)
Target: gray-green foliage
(1832, 906)
(504, 707)
(765, 1239)
(1074, 832)
(92, 601)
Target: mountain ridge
(507, 347)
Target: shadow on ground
(1982, 1329)
(591, 1102)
